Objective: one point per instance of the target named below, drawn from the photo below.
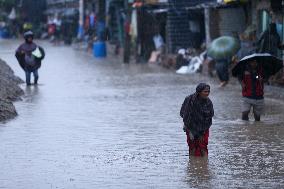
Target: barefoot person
(222, 69)
(197, 112)
(253, 71)
(252, 81)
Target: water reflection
(31, 93)
(198, 173)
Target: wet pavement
(102, 124)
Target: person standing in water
(197, 112)
(252, 81)
(29, 56)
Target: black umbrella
(270, 64)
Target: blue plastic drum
(4, 33)
(99, 49)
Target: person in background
(208, 65)
(197, 112)
(252, 81)
(29, 56)
(269, 41)
(57, 34)
(159, 48)
(222, 69)
(247, 46)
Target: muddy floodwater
(101, 124)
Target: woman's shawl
(197, 113)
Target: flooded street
(101, 124)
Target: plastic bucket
(99, 49)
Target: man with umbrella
(252, 71)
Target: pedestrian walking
(197, 112)
(222, 50)
(29, 56)
(222, 70)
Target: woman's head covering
(202, 86)
(197, 113)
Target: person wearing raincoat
(197, 112)
(29, 56)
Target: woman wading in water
(197, 112)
